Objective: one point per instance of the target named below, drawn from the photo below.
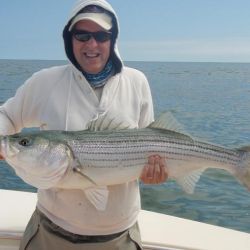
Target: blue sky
(156, 30)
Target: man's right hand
(1, 157)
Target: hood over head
(108, 20)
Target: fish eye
(24, 142)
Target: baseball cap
(102, 19)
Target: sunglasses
(84, 36)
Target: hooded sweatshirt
(60, 98)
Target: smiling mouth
(91, 55)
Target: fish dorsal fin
(189, 181)
(98, 196)
(167, 121)
(106, 122)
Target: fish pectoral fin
(98, 196)
(188, 182)
(78, 169)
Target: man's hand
(155, 172)
(1, 157)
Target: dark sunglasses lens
(102, 36)
(83, 37)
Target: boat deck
(158, 231)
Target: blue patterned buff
(99, 79)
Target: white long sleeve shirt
(60, 98)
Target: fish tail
(243, 172)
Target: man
(66, 98)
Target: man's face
(91, 55)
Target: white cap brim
(102, 19)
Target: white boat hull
(159, 232)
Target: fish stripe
(111, 147)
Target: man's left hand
(155, 172)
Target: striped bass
(95, 158)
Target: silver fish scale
(131, 147)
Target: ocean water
(211, 100)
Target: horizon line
(150, 61)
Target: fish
(110, 153)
